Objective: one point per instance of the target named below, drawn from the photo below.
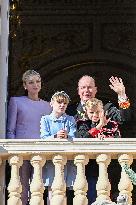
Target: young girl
(58, 125)
(97, 125)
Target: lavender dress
(24, 117)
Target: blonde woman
(24, 114)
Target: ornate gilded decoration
(14, 18)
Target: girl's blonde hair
(60, 96)
(29, 73)
(94, 103)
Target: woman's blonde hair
(94, 103)
(29, 73)
(60, 96)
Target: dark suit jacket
(109, 130)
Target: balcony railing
(59, 151)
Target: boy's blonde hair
(94, 103)
(60, 96)
(29, 73)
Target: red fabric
(94, 132)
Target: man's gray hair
(86, 77)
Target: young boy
(96, 124)
(62, 126)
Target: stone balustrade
(59, 151)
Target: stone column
(103, 186)
(80, 186)
(125, 186)
(1, 184)
(37, 186)
(4, 32)
(14, 186)
(59, 185)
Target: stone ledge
(91, 147)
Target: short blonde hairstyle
(29, 73)
(60, 96)
(94, 103)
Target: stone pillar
(59, 185)
(4, 32)
(37, 186)
(3, 64)
(14, 186)
(125, 186)
(1, 184)
(80, 186)
(103, 186)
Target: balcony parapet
(59, 151)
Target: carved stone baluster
(37, 186)
(125, 186)
(103, 186)
(14, 186)
(59, 185)
(80, 186)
